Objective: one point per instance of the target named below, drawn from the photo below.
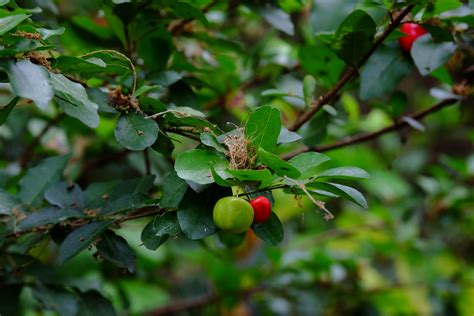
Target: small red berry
(412, 31)
(262, 209)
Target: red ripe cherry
(412, 31)
(262, 209)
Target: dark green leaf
(125, 203)
(65, 195)
(159, 230)
(93, 304)
(80, 239)
(384, 69)
(7, 109)
(174, 189)
(60, 300)
(263, 127)
(354, 37)
(263, 176)
(48, 216)
(135, 132)
(39, 178)
(270, 231)
(7, 203)
(115, 249)
(195, 212)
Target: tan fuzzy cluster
(28, 35)
(39, 59)
(238, 150)
(123, 103)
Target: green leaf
(174, 189)
(7, 109)
(384, 69)
(48, 216)
(263, 127)
(279, 19)
(65, 195)
(80, 239)
(73, 99)
(326, 15)
(322, 63)
(354, 37)
(39, 178)
(8, 22)
(429, 55)
(125, 203)
(93, 304)
(263, 176)
(307, 163)
(309, 88)
(30, 81)
(195, 213)
(115, 249)
(187, 11)
(345, 173)
(60, 300)
(287, 136)
(270, 231)
(194, 165)
(7, 202)
(281, 167)
(341, 190)
(47, 33)
(159, 230)
(135, 132)
(210, 140)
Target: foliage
(124, 122)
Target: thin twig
(27, 153)
(349, 74)
(398, 124)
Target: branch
(182, 305)
(350, 140)
(139, 213)
(349, 74)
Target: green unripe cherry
(233, 214)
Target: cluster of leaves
(153, 111)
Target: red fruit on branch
(412, 31)
(262, 209)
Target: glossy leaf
(344, 173)
(281, 167)
(135, 132)
(429, 55)
(195, 164)
(270, 231)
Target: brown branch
(182, 305)
(138, 213)
(349, 74)
(27, 153)
(398, 124)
